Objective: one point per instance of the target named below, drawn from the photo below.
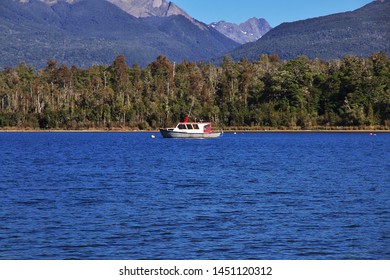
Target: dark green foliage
(299, 93)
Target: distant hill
(248, 31)
(358, 33)
(87, 32)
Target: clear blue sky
(274, 11)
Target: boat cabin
(195, 127)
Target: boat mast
(189, 114)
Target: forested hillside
(357, 33)
(91, 32)
(297, 94)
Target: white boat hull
(182, 134)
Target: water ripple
(246, 196)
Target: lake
(243, 196)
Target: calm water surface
(244, 196)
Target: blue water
(245, 196)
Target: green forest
(299, 94)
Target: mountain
(148, 8)
(249, 31)
(153, 8)
(141, 8)
(87, 32)
(359, 33)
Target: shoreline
(229, 130)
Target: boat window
(196, 126)
(182, 126)
(189, 126)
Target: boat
(188, 129)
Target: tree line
(267, 93)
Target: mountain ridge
(248, 31)
(147, 8)
(359, 33)
(140, 8)
(87, 32)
